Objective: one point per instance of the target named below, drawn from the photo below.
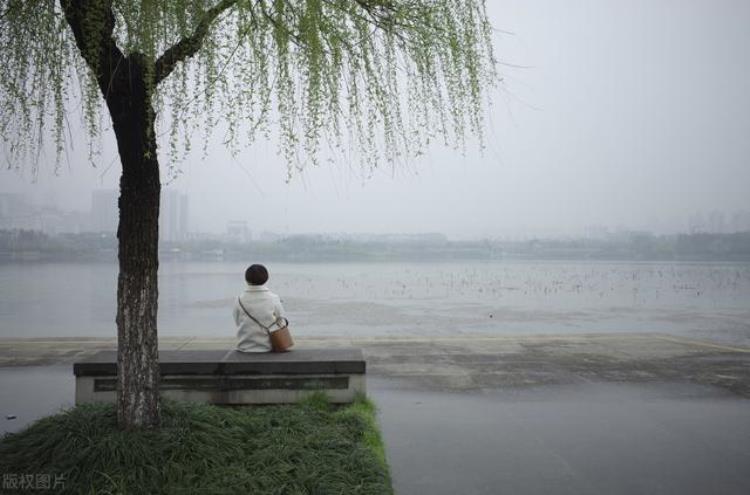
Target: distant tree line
(33, 245)
(640, 246)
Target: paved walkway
(481, 415)
(480, 362)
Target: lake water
(699, 300)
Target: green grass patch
(307, 448)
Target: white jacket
(265, 306)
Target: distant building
(598, 232)
(740, 221)
(173, 216)
(697, 223)
(17, 213)
(266, 236)
(54, 221)
(716, 222)
(104, 211)
(238, 231)
(13, 204)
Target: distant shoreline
(31, 246)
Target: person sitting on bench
(257, 307)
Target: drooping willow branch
(187, 47)
(381, 78)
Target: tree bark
(138, 241)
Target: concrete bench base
(221, 377)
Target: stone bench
(232, 377)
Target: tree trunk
(138, 241)
(126, 83)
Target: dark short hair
(256, 275)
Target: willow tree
(381, 78)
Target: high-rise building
(16, 212)
(173, 213)
(104, 211)
(173, 216)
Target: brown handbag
(281, 339)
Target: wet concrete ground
(28, 393)
(599, 438)
(626, 413)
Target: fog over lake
(699, 300)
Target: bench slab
(233, 377)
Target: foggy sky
(622, 113)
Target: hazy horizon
(632, 115)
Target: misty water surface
(705, 300)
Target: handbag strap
(261, 325)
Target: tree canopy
(384, 77)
